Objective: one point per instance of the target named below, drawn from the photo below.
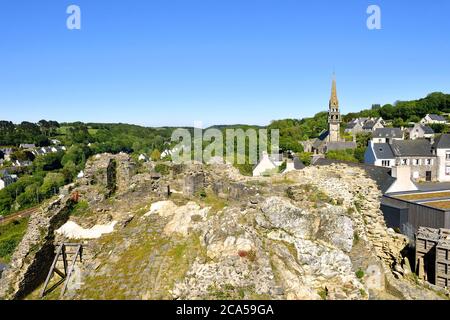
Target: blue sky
(171, 62)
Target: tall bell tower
(334, 115)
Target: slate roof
(369, 125)
(352, 124)
(383, 151)
(442, 142)
(332, 146)
(388, 133)
(427, 129)
(410, 148)
(380, 175)
(298, 164)
(436, 117)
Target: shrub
(359, 274)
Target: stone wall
(32, 259)
(193, 182)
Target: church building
(330, 140)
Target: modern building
(407, 211)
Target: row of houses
(47, 150)
(370, 125)
(428, 160)
(361, 125)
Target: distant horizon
(170, 63)
(205, 126)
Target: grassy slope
(10, 236)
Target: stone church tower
(334, 116)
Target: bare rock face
(281, 214)
(337, 228)
(184, 219)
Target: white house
(420, 131)
(433, 119)
(387, 135)
(373, 124)
(441, 148)
(379, 154)
(143, 157)
(266, 166)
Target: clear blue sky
(171, 62)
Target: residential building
(6, 180)
(21, 164)
(373, 124)
(433, 119)
(27, 146)
(441, 149)
(387, 135)
(356, 126)
(420, 131)
(379, 154)
(361, 125)
(415, 154)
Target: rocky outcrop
(311, 234)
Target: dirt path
(18, 215)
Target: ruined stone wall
(33, 257)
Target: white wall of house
(443, 158)
(402, 181)
(428, 120)
(371, 158)
(2, 184)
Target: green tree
(155, 155)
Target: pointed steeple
(334, 102)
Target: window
(416, 162)
(429, 162)
(447, 170)
(386, 163)
(447, 156)
(404, 162)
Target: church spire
(334, 102)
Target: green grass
(10, 236)
(80, 208)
